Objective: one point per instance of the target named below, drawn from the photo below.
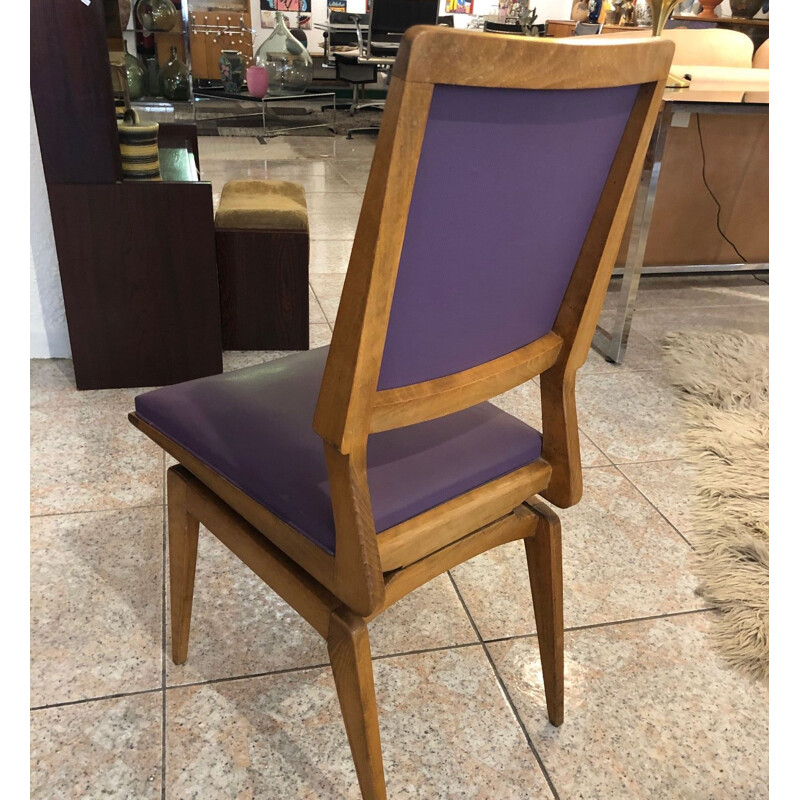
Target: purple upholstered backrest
(507, 184)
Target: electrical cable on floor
(713, 196)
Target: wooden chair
(408, 471)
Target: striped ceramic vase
(138, 144)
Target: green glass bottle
(173, 79)
(134, 75)
(156, 15)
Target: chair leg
(348, 647)
(183, 534)
(543, 551)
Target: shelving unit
(137, 259)
(163, 40)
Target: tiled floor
(651, 712)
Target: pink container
(257, 81)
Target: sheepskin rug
(723, 380)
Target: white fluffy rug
(724, 383)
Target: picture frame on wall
(458, 6)
(286, 5)
(268, 19)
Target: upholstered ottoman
(262, 258)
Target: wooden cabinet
(756, 29)
(137, 259)
(559, 28)
(211, 32)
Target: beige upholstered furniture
(264, 205)
(713, 47)
(262, 258)
(761, 56)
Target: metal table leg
(612, 344)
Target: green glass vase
(157, 15)
(135, 75)
(173, 79)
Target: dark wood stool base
(263, 287)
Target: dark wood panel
(263, 289)
(113, 24)
(140, 282)
(71, 91)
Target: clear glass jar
(288, 64)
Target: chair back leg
(348, 648)
(183, 535)
(543, 552)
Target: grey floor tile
(621, 561)
(102, 749)
(86, 456)
(745, 317)
(686, 291)
(327, 287)
(650, 713)
(446, 731)
(96, 585)
(330, 255)
(670, 487)
(630, 415)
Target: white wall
(48, 334)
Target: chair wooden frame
(339, 594)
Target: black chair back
(345, 38)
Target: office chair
(388, 21)
(347, 477)
(588, 28)
(358, 75)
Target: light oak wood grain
(369, 572)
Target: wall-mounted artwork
(286, 5)
(267, 19)
(458, 7)
(304, 21)
(337, 5)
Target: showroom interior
(399, 399)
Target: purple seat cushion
(253, 426)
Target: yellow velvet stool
(262, 258)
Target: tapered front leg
(183, 533)
(348, 647)
(543, 551)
